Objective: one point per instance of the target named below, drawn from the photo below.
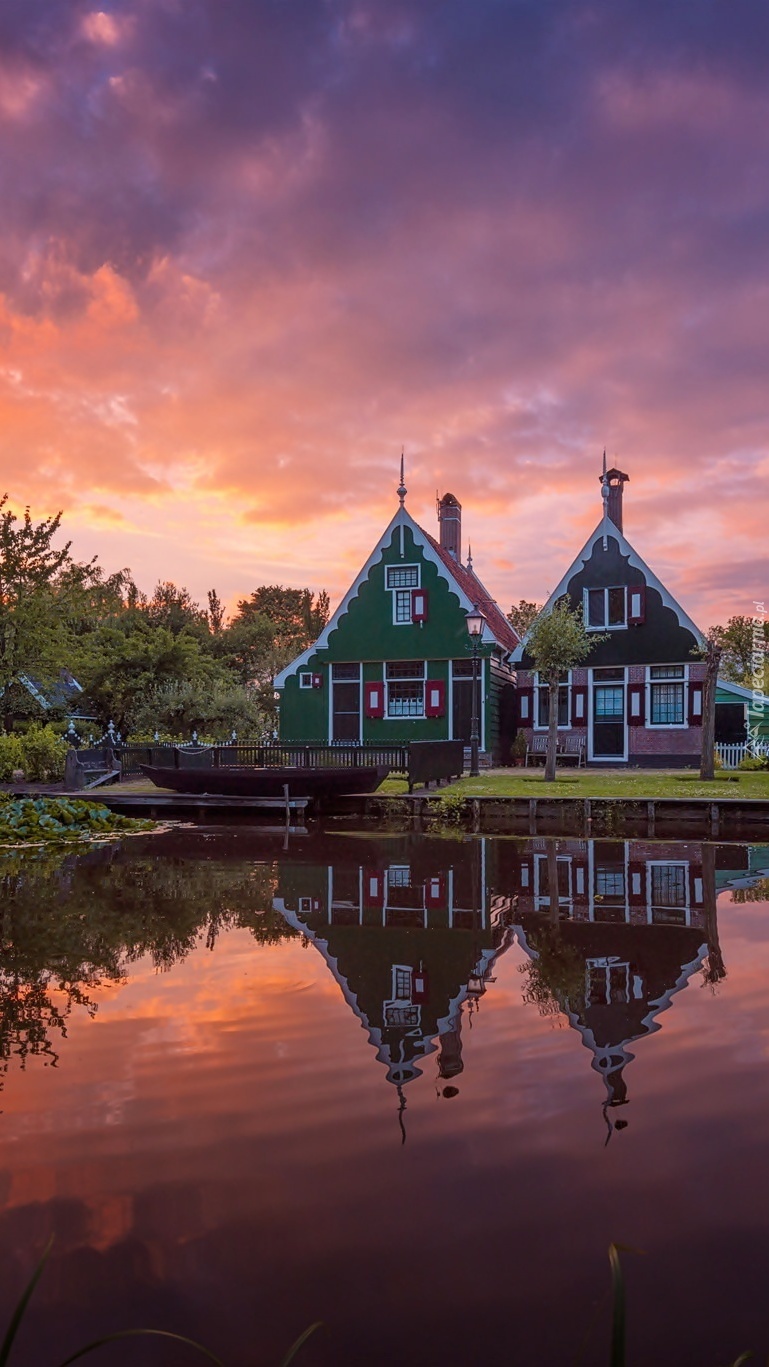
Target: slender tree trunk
(552, 724)
(707, 753)
(552, 882)
(716, 970)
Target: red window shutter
(419, 605)
(373, 888)
(635, 704)
(580, 874)
(695, 704)
(435, 891)
(420, 986)
(696, 888)
(374, 699)
(636, 604)
(579, 705)
(526, 706)
(636, 883)
(435, 698)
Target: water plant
(42, 819)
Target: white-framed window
(399, 876)
(405, 683)
(305, 680)
(542, 702)
(400, 580)
(668, 891)
(605, 609)
(667, 695)
(607, 982)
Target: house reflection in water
(410, 937)
(412, 927)
(633, 921)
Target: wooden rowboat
(243, 781)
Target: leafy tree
(738, 644)
(174, 608)
(215, 612)
(33, 614)
(298, 617)
(183, 706)
(558, 642)
(521, 616)
(127, 660)
(246, 648)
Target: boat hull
(231, 781)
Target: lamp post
(475, 622)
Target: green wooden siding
(366, 634)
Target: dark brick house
(638, 698)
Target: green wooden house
(394, 664)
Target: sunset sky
(251, 248)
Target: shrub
(42, 754)
(753, 763)
(10, 756)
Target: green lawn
(631, 785)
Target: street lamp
(475, 621)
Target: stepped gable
(480, 598)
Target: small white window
(305, 680)
(403, 576)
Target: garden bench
(90, 768)
(569, 750)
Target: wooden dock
(201, 805)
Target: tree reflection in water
(72, 923)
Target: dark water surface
(389, 1084)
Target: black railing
(421, 761)
(258, 755)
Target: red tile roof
(480, 597)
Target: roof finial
(401, 490)
(469, 556)
(604, 486)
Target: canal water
(390, 1083)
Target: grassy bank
(630, 785)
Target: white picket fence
(730, 755)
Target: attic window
(403, 576)
(605, 608)
(400, 581)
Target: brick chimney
(614, 481)
(450, 525)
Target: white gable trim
(605, 529)
(401, 519)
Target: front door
(608, 722)
(345, 703)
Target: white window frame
(606, 964)
(684, 682)
(534, 721)
(542, 901)
(598, 588)
(412, 678)
(304, 676)
(650, 906)
(394, 590)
